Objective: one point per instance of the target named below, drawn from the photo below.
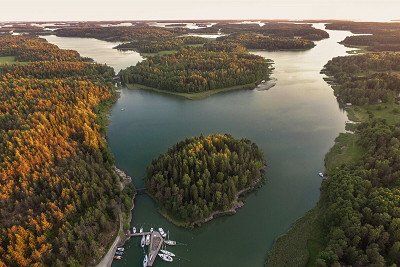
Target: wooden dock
(156, 241)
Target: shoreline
(194, 96)
(237, 204)
(121, 237)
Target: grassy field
(192, 96)
(388, 111)
(7, 60)
(300, 245)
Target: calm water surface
(294, 123)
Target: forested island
(60, 195)
(357, 219)
(376, 36)
(198, 72)
(201, 177)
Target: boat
(122, 109)
(134, 230)
(119, 253)
(167, 253)
(320, 174)
(141, 230)
(151, 229)
(121, 249)
(147, 240)
(162, 233)
(145, 260)
(263, 81)
(165, 257)
(170, 242)
(143, 241)
(117, 257)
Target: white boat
(320, 174)
(122, 109)
(143, 241)
(120, 249)
(134, 230)
(151, 229)
(167, 253)
(170, 242)
(117, 257)
(165, 257)
(141, 230)
(145, 260)
(147, 240)
(162, 233)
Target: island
(357, 219)
(202, 177)
(60, 195)
(196, 73)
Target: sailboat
(143, 241)
(170, 242)
(165, 257)
(167, 253)
(145, 260)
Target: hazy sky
(39, 10)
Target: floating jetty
(156, 241)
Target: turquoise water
(294, 123)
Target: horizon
(151, 10)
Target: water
(294, 123)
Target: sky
(84, 10)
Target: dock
(156, 241)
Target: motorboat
(162, 233)
(143, 241)
(167, 253)
(170, 242)
(121, 249)
(145, 261)
(320, 174)
(147, 240)
(119, 253)
(117, 257)
(141, 230)
(165, 257)
(134, 230)
(151, 229)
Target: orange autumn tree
(59, 194)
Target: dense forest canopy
(367, 78)
(197, 70)
(202, 175)
(382, 36)
(120, 33)
(265, 42)
(359, 208)
(59, 194)
(162, 44)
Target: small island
(196, 73)
(203, 177)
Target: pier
(156, 241)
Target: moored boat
(117, 257)
(145, 260)
(320, 174)
(143, 241)
(170, 242)
(119, 253)
(134, 230)
(162, 233)
(167, 253)
(141, 230)
(147, 240)
(120, 249)
(165, 257)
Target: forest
(203, 175)
(162, 44)
(376, 36)
(369, 78)
(60, 195)
(359, 208)
(265, 42)
(194, 70)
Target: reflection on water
(294, 123)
